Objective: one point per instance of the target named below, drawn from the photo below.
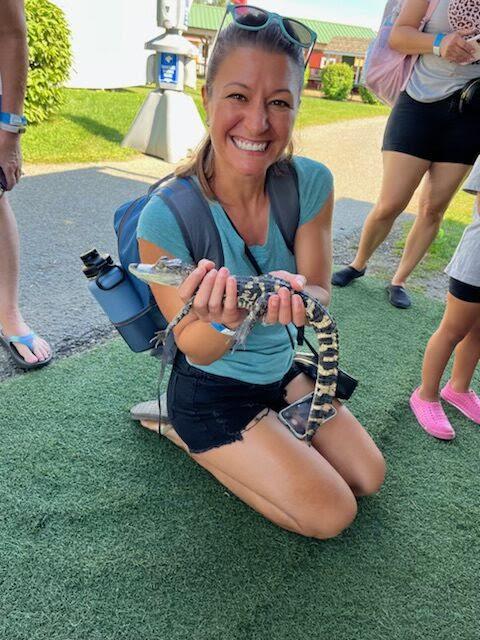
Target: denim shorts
(434, 131)
(209, 411)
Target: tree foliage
(50, 58)
(337, 81)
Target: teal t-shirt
(267, 354)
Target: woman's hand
(215, 295)
(455, 48)
(286, 307)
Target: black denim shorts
(464, 291)
(434, 131)
(209, 411)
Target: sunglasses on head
(254, 19)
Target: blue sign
(167, 70)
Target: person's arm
(194, 335)
(13, 74)
(406, 38)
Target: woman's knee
(431, 212)
(387, 210)
(370, 479)
(329, 522)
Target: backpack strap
(191, 210)
(282, 188)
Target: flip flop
(27, 340)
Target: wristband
(221, 328)
(436, 43)
(12, 122)
(11, 128)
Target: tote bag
(386, 72)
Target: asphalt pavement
(64, 210)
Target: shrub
(367, 96)
(50, 58)
(337, 81)
(306, 76)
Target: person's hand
(455, 48)
(10, 157)
(215, 295)
(286, 307)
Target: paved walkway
(63, 210)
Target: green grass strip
(110, 533)
(91, 124)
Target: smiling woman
(224, 405)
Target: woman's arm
(313, 252)
(195, 337)
(406, 38)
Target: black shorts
(434, 131)
(209, 411)
(464, 291)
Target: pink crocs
(431, 417)
(468, 403)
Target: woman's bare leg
(458, 320)
(291, 484)
(467, 356)
(402, 174)
(11, 320)
(441, 183)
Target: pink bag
(386, 72)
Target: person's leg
(11, 320)
(441, 182)
(467, 356)
(345, 444)
(402, 174)
(291, 484)
(286, 481)
(458, 320)
(457, 391)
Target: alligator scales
(253, 294)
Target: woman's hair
(269, 39)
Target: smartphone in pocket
(295, 416)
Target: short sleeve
(315, 184)
(472, 183)
(157, 224)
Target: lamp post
(168, 124)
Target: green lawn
(110, 533)
(92, 124)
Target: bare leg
(467, 356)
(293, 485)
(458, 320)
(11, 320)
(402, 174)
(440, 185)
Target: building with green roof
(204, 21)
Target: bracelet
(436, 43)
(11, 128)
(221, 328)
(12, 122)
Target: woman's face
(251, 110)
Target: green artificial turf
(110, 533)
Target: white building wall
(108, 38)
